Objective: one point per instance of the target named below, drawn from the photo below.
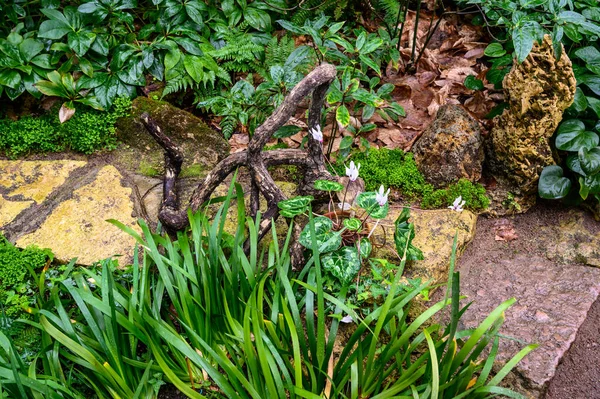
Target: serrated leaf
(328, 185)
(553, 184)
(368, 202)
(327, 240)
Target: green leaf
(372, 45)
(574, 164)
(365, 247)
(80, 42)
(53, 30)
(286, 131)
(194, 67)
(346, 142)
(334, 96)
(368, 202)
(368, 98)
(294, 206)
(172, 58)
(404, 233)
(328, 185)
(472, 83)
(494, 50)
(258, 19)
(571, 136)
(353, 224)
(592, 82)
(589, 54)
(343, 264)
(368, 61)
(589, 185)
(29, 48)
(589, 160)
(552, 184)
(327, 240)
(10, 78)
(580, 103)
(291, 27)
(86, 67)
(342, 115)
(523, 38)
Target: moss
(148, 169)
(194, 170)
(397, 169)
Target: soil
(578, 375)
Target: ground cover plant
(199, 309)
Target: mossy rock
(202, 147)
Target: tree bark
(254, 158)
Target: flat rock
(434, 236)
(553, 296)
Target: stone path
(554, 288)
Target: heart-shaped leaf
(343, 264)
(327, 239)
(574, 164)
(294, 206)
(364, 247)
(589, 160)
(552, 184)
(571, 136)
(353, 224)
(328, 185)
(403, 236)
(368, 202)
(589, 185)
(472, 83)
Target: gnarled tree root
(254, 159)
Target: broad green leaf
(368, 98)
(591, 185)
(589, 160)
(404, 233)
(286, 131)
(29, 48)
(594, 104)
(571, 136)
(334, 96)
(365, 247)
(10, 78)
(342, 115)
(368, 61)
(86, 67)
(258, 19)
(553, 184)
(328, 185)
(291, 27)
(54, 30)
(580, 102)
(472, 83)
(172, 58)
(194, 67)
(368, 202)
(80, 42)
(592, 82)
(523, 38)
(588, 54)
(343, 264)
(372, 45)
(494, 50)
(327, 239)
(353, 224)
(574, 164)
(346, 142)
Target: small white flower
(317, 134)
(345, 207)
(458, 204)
(381, 197)
(347, 319)
(352, 171)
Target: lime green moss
(397, 169)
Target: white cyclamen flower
(381, 197)
(347, 319)
(352, 171)
(458, 204)
(317, 134)
(345, 206)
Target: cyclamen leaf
(552, 184)
(294, 206)
(368, 202)
(353, 224)
(327, 239)
(571, 136)
(364, 247)
(328, 185)
(343, 264)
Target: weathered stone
(202, 147)
(575, 242)
(434, 235)
(451, 147)
(553, 295)
(537, 91)
(77, 227)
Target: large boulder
(202, 147)
(451, 147)
(537, 91)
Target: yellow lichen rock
(537, 91)
(78, 228)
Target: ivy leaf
(552, 184)
(404, 233)
(342, 115)
(472, 83)
(343, 264)
(368, 202)
(571, 136)
(327, 240)
(589, 160)
(353, 224)
(328, 185)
